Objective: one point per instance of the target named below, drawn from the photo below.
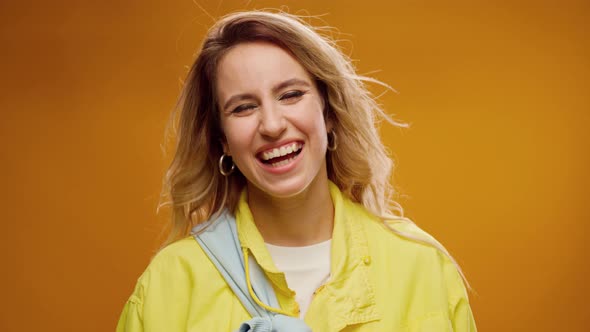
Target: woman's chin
(279, 189)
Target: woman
(279, 165)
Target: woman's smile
(282, 158)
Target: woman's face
(272, 118)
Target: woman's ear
(329, 125)
(328, 117)
(225, 148)
(323, 93)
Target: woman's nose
(272, 122)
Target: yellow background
(495, 164)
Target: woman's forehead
(257, 65)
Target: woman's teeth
(281, 152)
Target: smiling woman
(282, 211)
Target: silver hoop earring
(332, 143)
(222, 170)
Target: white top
(305, 268)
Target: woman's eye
(292, 95)
(243, 108)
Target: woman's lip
(284, 168)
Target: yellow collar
(350, 261)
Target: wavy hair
(360, 167)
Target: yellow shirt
(379, 282)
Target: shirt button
(367, 260)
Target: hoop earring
(222, 170)
(334, 140)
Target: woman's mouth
(280, 156)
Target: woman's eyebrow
(290, 82)
(275, 89)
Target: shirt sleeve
(463, 317)
(459, 308)
(131, 319)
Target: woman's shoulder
(411, 249)
(182, 249)
(394, 237)
(407, 229)
(416, 255)
(402, 235)
(402, 238)
(176, 262)
(386, 227)
(170, 284)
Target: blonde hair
(360, 166)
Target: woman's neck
(301, 220)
